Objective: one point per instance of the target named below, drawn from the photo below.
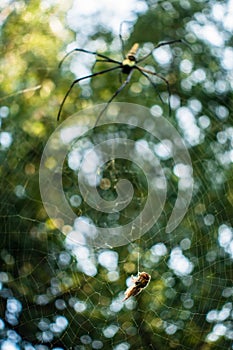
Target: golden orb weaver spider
(127, 66)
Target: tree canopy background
(57, 296)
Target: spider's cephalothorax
(130, 60)
(127, 66)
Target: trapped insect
(127, 66)
(140, 282)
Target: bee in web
(140, 282)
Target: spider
(127, 66)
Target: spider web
(56, 294)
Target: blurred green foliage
(59, 305)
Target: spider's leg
(159, 45)
(121, 37)
(151, 81)
(107, 59)
(120, 78)
(114, 95)
(77, 81)
(104, 60)
(141, 69)
(122, 41)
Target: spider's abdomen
(132, 52)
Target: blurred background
(58, 295)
